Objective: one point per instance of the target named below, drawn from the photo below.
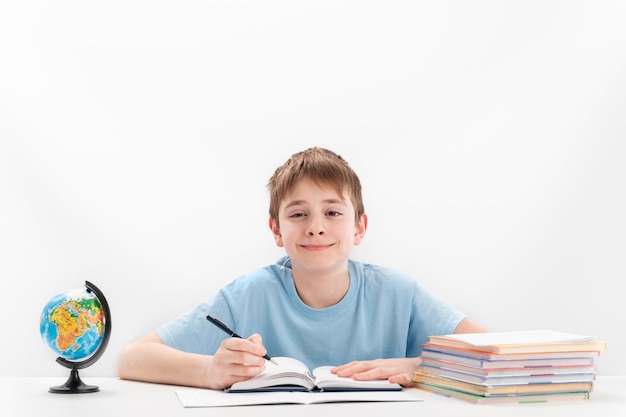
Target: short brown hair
(322, 166)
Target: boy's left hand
(396, 370)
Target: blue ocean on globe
(72, 324)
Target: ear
(359, 230)
(278, 238)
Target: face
(317, 228)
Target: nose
(315, 227)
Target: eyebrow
(328, 200)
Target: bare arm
(468, 326)
(398, 370)
(149, 360)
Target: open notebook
(292, 375)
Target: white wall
(136, 139)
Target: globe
(76, 324)
(72, 324)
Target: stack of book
(518, 366)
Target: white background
(136, 139)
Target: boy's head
(324, 168)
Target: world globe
(72, 324)
(76, 325)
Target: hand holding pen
(220, 325)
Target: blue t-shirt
(384, 314)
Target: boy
(315, 304)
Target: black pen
(220, 325)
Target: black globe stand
(74, 385)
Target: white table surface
(30, 397)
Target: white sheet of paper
(198, 397)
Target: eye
(296, 215)
(333, 213)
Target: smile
(316, 247)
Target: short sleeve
(431, 316)
(191, 332)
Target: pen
(220, 325)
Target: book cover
(498, 399)
(547, 368)
(503, 380)
(422, 377)
(524, 341)
(492, 360)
